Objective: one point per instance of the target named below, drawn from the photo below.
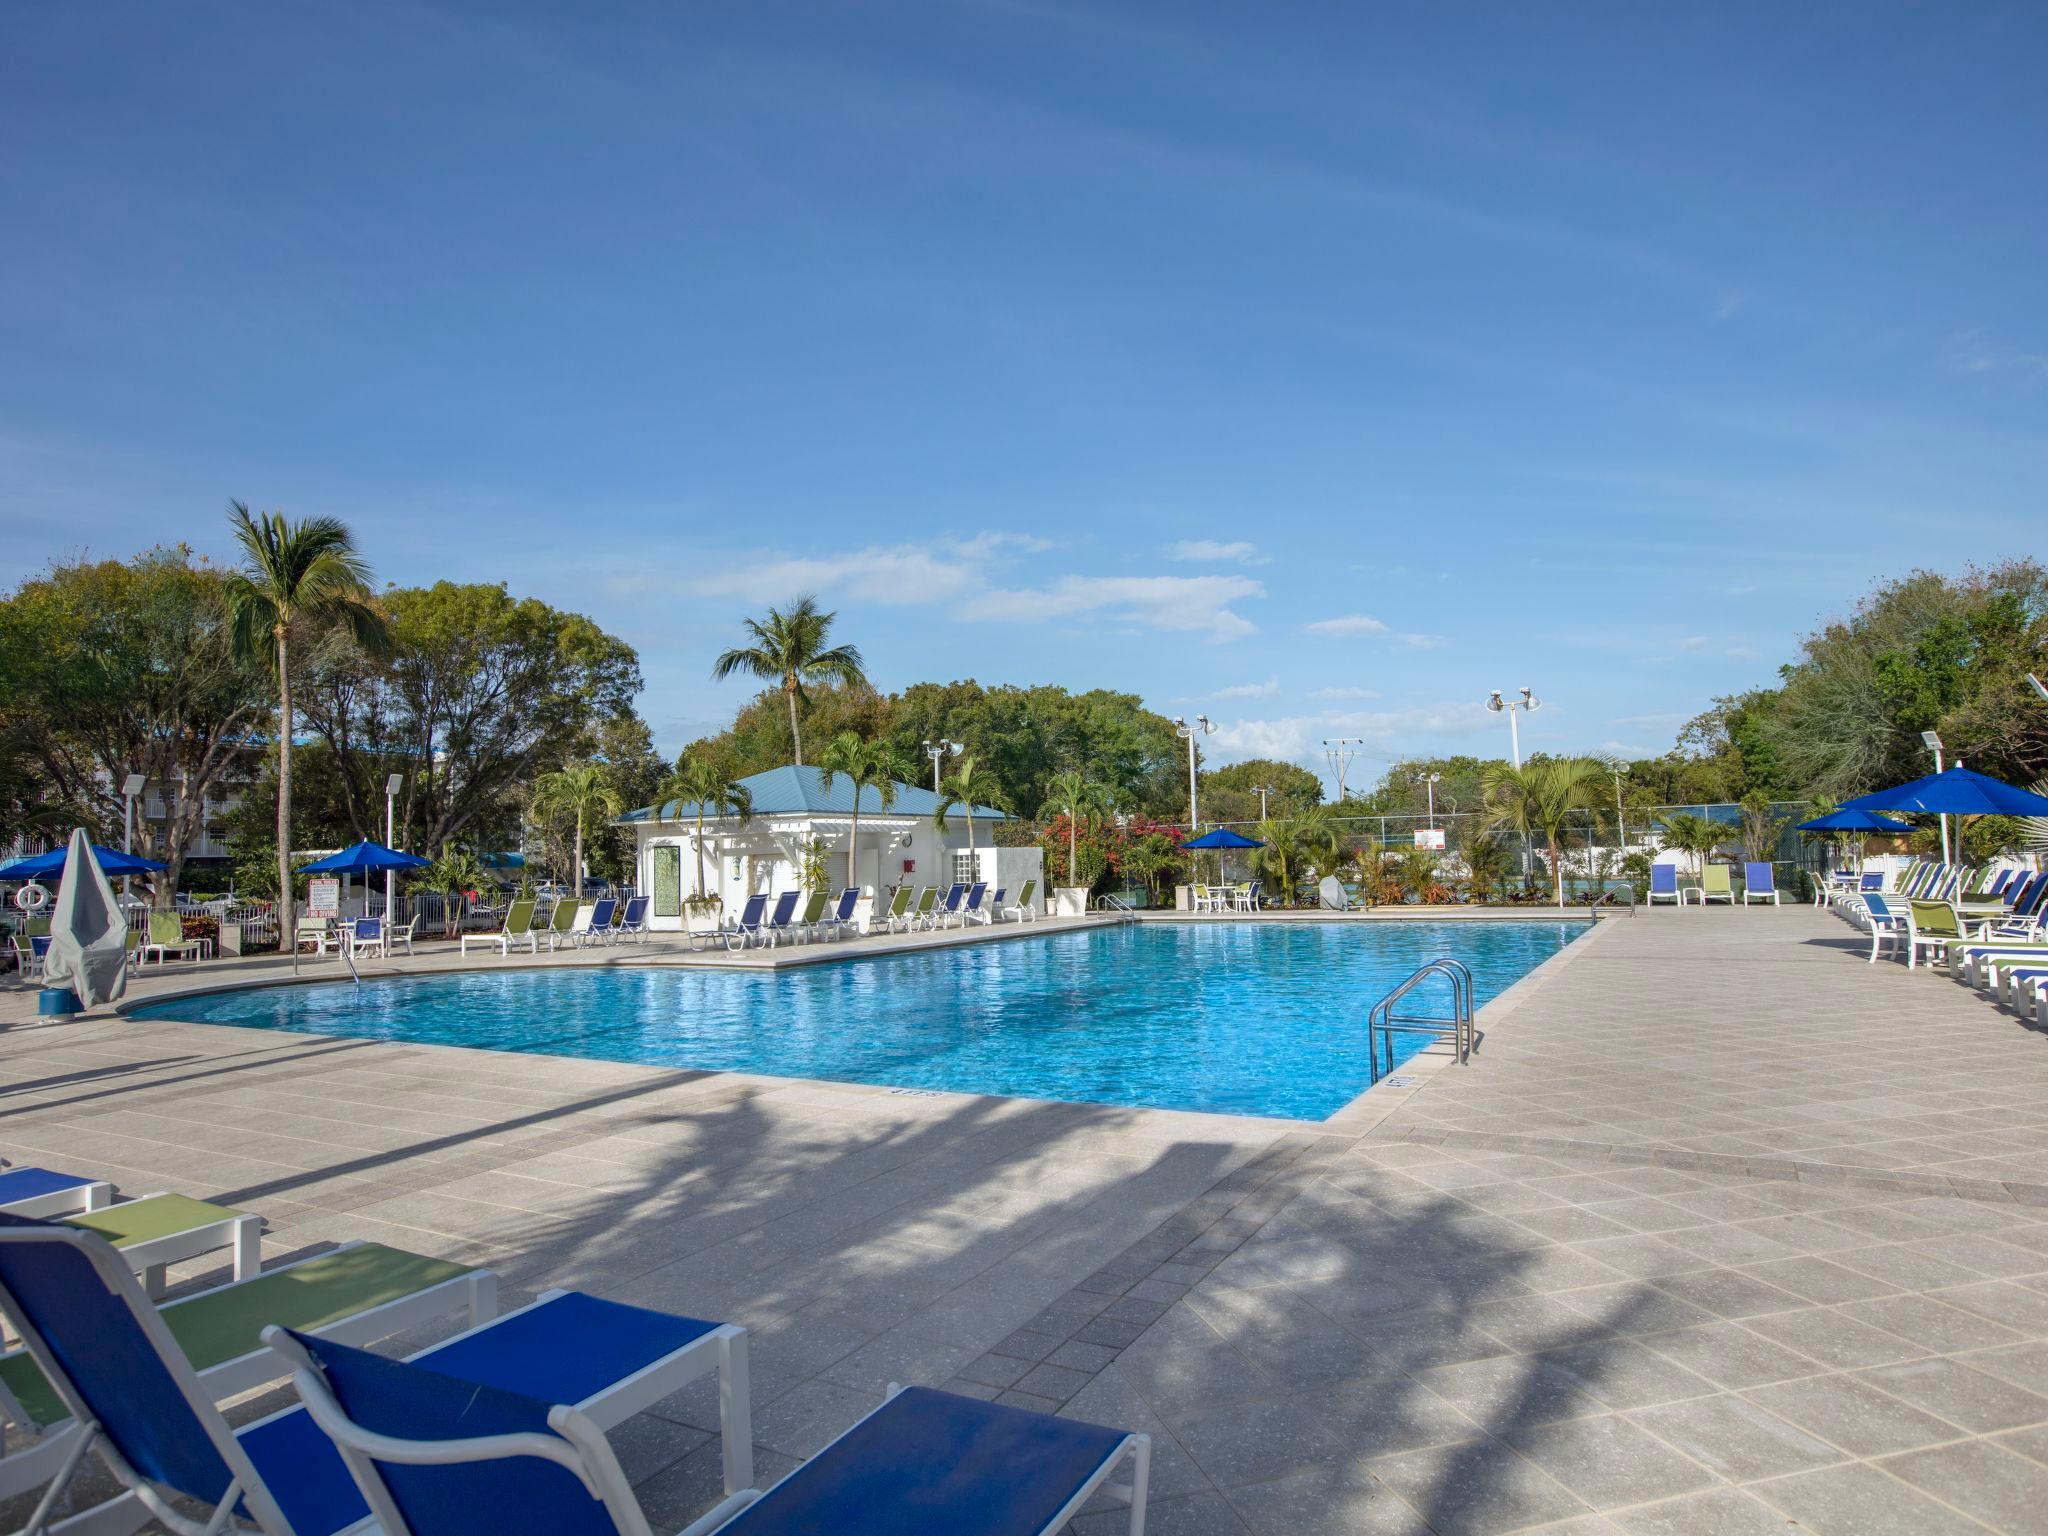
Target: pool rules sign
(323, 898)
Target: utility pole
(1337, 752)
(1262, 791)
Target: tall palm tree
(789, 650)
(1072, 793)
(870, 765)
(296, 580)
(1291, 841)
(703, 781)
(580, 790)
(957, 789)
(1698, 836)
(1541, 797)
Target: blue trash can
(57, 1002)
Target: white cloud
(1740, 653)
(1693, 643)
(1215, 552)
(1386, 733)
(1250, 690)
(904, 574)
(1346, 693)
(1191, 603)
(991, 542)
(1349, 624)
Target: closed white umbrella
(88, 935)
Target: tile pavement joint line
(2010, 1192)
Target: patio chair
(968, 910)
(748, 928)
(434, 1456)
(944, 911)
(986, 914)
(1200, 900)
(783, 919)
(167, 936)
(920, 915)
(813, 918)
(899, 910)
(1717, 884)
(1759, 883)
(840, 918)
(1932, 926)
(1886, 926)
(116, 1368)
(1022, 910)
(316, 931)
(599, 929)
(366, 937)
(632, 920)
(396, 934)
(518, 929)
(28, 955)
(570, 921)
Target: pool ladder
(1382, 1022)
(1116, 907)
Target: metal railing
(1613, 896)
(1116, 906)
(1382, 1022)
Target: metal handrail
(1110, 902)
(1380, 1021)
(1615, 895)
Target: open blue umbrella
(1222, 837)
(1844, 820)
(1954, 792)
(46, 866)
(362, 859)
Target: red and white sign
(1429, 837)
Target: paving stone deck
(1721, 1231)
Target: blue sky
(1322, 367)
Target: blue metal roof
(807, 791)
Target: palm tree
(789, 650)
(871, 765)
(296, 579)
(1292, 841)
(1696, 835)
(957, 788)
(583, 789)
(457, 870)
(1073, 793)
(1541, 797)
(704, 781)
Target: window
(963, 867)
(666, 868)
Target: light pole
(1934, 742)
(131, 787)
(1497, 705)
(1203, 726)
(1262, 790)
(1429, 781)
(938, 751)
(392, 786)
(1337, 751)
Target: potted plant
(703, 914)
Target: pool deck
(1721, 1229)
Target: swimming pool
(1238, 1018)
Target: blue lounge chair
(748, 929)
(783, 920)
(840, 918)
(436, 1456)
(110, 1356)
(45, 1192)
(986, 912)
(970, 908)
(948, 907)
(600, 929)
(1886, 926)
(1664, 885)
(1759, 883)
(633, 921)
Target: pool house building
(800, 809)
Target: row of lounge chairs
(574, 924)
(501, 1427)
(757, 926)
(1716, 883)
(1992, 933)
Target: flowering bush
(1140, 850)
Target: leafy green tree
(1699, 836)
(869, 765)
(1488, 861)
(1293, 843)
(582, 791)
(1542, 797)
(297, 581)
(702, 781)
(1760, 828)
(452, 876)
(1231, 793)
(789, 650)
(964, 789)
(1071, 793)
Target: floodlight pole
(392, 786)
(1263, 791)
(131, 786)
(1202, 726)
(1498, 705)
(937, 751)
(1934, 742)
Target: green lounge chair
(562, 928)
(814, 911)
(167, 935)
(518, 929)
(1022, 910)
(927, 899)
(1715, 885)
(899, 909)
(1932, 926)
(154, 1231)
(359, 1293)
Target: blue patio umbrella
(1954, 792)
(1844, 820)
(45, 866)
(364, 858)
(1222, 837)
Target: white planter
(1070, 901)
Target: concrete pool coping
(1357, 1116)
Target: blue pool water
(1246, 1018)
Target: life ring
(32, 897)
